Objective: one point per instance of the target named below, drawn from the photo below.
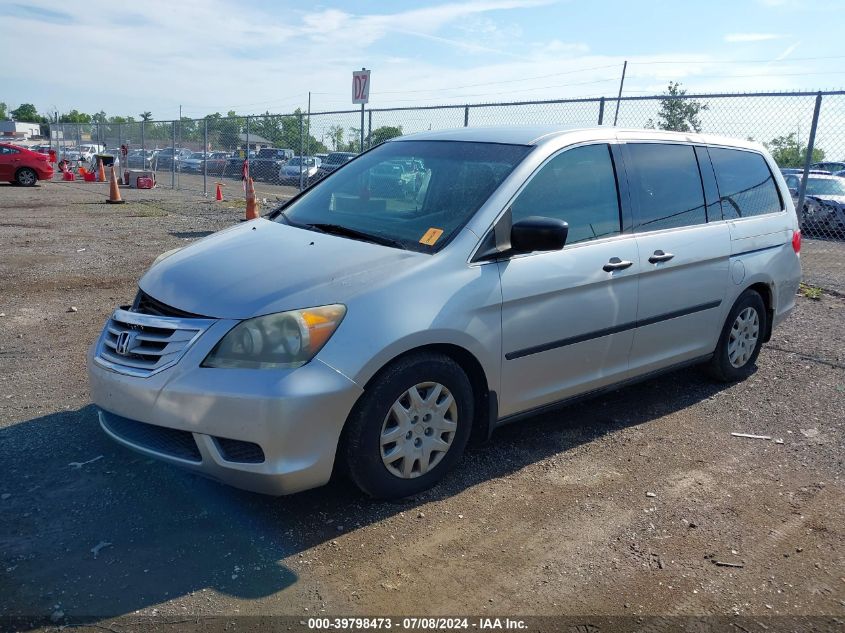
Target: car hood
(828, 198)
(261, 267)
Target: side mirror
(538, 234)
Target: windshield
(825, 187)
(308, 162)
(420, 210)
(197, 155)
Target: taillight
(796, 242)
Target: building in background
(18, 130)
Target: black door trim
(588, 336)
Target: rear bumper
(295, 417)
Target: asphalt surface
(630, 504)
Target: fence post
(205, 160)
(370, 130)
(302, 148)
(601, 111)
(173, 158)
(809, 159)
(144, 149)
(466, 116)
(246, 155)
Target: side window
(665, 186)
(577, 186)
(746, 185)
(792, 181)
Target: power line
(505, 81)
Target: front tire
(26, 177)
(741, 339)
(410, 427)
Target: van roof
(538, 134)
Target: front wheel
(410, 427)
(741, 339)
(26, 177)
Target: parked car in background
(290, 173)
(87, 151)
(216, 163)
(794, 170)
(829, 166)
(140, 158)
(824, 204)
(68, 153)
(235, 164)
(23, 166)
(381, 331)
(41, 149)
(268, 162)
(333, 161)
(166, 158)
(194, 162)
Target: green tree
(75, 116)
(99, 117)
(146, 116)
(26, 113)
(382, 134)
(335, 135)
(677, 113)
(787, 152)
(3, 114)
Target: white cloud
(751, 37)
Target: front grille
(141, 344)
(239, 451)
(171, 442)
(145, 304)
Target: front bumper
(294, 416)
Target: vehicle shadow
(101, 531)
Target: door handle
(660, 256)
(616, 264)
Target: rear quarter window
(746, 185)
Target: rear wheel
(741, 339)
(410, 427)
(26, 177)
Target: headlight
(282, 340)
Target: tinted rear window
(665, 186)
(746, 185)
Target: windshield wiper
(337, 229)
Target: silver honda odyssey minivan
(438, 286)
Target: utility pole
(619, 98)
(308, 127)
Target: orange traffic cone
(114, 190)
(101, 171)
(251, 202)
(219, 195)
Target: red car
(23, 166)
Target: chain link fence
(286, 153)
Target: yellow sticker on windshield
(431, 236)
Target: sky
(264, 55)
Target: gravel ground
(619, 505)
